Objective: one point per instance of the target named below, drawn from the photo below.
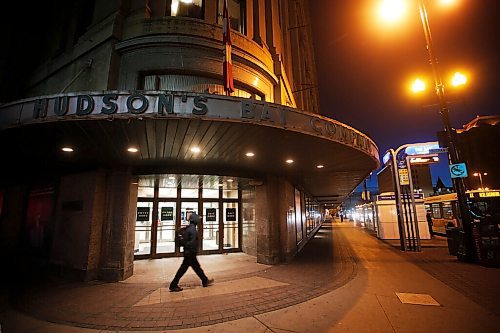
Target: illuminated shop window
(186, 8)
(237, 14)
(197, 84)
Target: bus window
(447, 210)
(436, 211)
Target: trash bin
(490, 242)
(452, 236)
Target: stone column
(267, 221)
(80, 211)
(117, 255)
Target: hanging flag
(148, 9)
(226, 41)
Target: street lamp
(470, 251)
(478, 174)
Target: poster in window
(211, 215)
(143, 214)
(167, 213)
(230, 214)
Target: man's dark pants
(189, 260)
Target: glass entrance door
(143, 224)
(165, 234)
(231, 227)
(165, 203)
(210, 226)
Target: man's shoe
(208, 283)
(175, 289)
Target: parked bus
(444, 208)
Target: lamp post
(470, 251)
(478, 174)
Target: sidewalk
(344, 280)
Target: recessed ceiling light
(67, 149)
(229, 180)
(289, 161)
(171, 177)
(132, 150)
(195, 149)
(250, 154)
(320, 166)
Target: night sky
(364, 67)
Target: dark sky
(364, 66)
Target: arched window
(185, 8)
(191, 83)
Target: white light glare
(418, 86)
(458, 79)
(391, 10)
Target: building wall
(480, 150)
(111, 46)
(274, 57)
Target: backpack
(181, 236)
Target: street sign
(403, 177)
(458, 170)
(438, 151)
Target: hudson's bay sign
(157, 104)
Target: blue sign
(422, 148)
(458, 170)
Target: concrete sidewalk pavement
(344, 280)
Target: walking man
(190, 252)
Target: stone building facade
(122, 130)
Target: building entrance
(165, 203)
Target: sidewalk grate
(418, 299)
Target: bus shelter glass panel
(231, 231)
(165, 242)
(210, 226)
(143, 224)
